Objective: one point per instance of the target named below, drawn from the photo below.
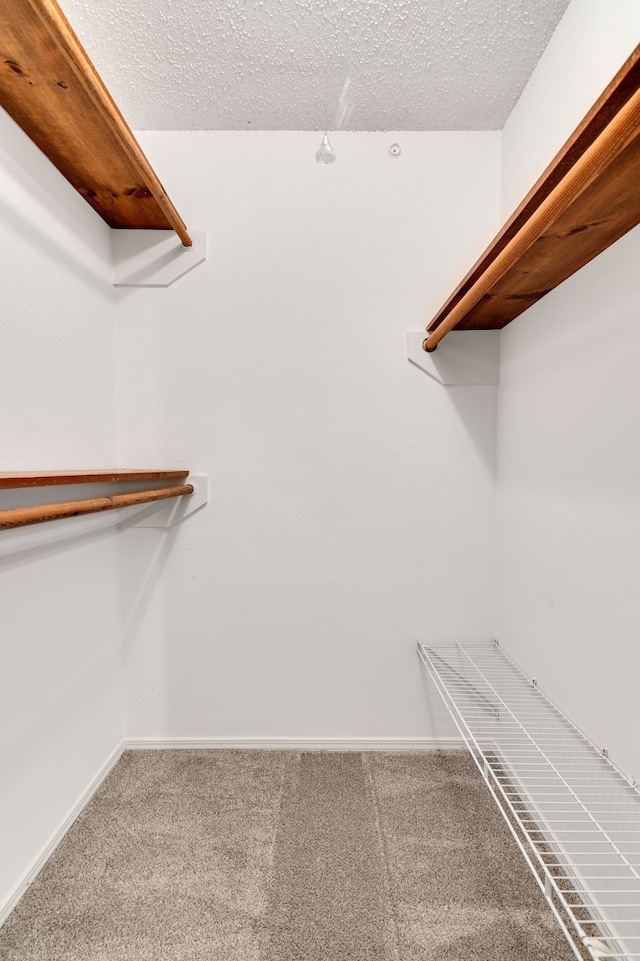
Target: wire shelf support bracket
(573, 814)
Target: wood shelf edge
(106, 476)
(613, 99)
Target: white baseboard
(400, 744)
(29, 876)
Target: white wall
(568, 604)
(59, 647)
(352, 499)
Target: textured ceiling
(282, 64)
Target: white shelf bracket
(463, 358)
(169, 513)
(154, 258)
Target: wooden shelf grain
(523, 264)
(53, 478)
(50, 87)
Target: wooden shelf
(587, 198)
(53, 478)
(52, 90)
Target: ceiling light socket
(325, 154)
(394, 150)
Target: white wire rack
(574, 815)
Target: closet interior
(218, 733)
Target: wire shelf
(574, 815)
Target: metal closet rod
(23, 516)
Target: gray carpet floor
(284, 856)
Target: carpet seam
(384, 858)
(294, 757)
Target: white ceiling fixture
(281, 64)
(325, 154)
